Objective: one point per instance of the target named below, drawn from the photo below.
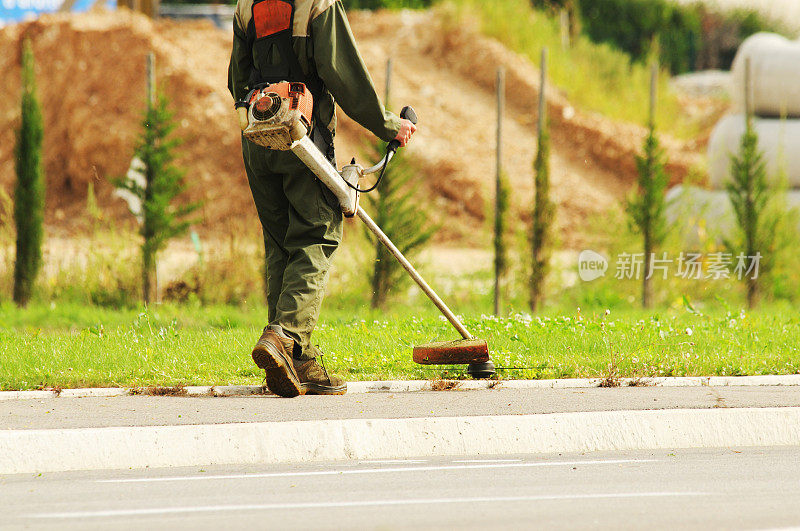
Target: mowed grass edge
(171, 346)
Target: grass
(63, 340)
(587, 73)
(75, 346)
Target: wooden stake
(151, 102)
(388, 81)
(540, 198)
(564, 18)
(501, 90)
(647, 295)
(653, 93)
(151, 79)
(542, 99)
(747, 92)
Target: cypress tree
(162, 219)
(646, 207)
(500, 245)
(397, 211)
(29, 194)
(543, 218)
(544, 211)
(749, 194)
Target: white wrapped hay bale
(703, 215)
(779, 140)
(774, 75)
(699, 214)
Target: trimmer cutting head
(459, 352)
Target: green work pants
(302, 224)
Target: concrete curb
(407, 386)
(33, 451)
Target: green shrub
(731, 28)
(689, 37)
(634, 26)
(586, 73)
(231, 272)
(572, 7)
(104, 275)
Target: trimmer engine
(278, 115)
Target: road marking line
(372, 503)
(487, 461)
(376, 470)
(392, 461)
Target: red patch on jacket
(271, 16)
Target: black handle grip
(409, 114)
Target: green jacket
(323, 43)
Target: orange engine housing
(300, 98)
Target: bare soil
(91, 76)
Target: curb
(408, 386)
(34, 451)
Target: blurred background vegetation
(686, 37)
(613, 40)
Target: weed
(639, 381)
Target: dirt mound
(449, 76)
(91, 82)
(610, 144)
(91, 75)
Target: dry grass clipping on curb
(445, 385)
(177, 390)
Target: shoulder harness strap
(270, 29)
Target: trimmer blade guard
(463, 351)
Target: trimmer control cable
(407, 114)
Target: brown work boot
(273, 353)
(315, 380)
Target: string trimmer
(280, 118)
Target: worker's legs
(312, 237)
(273, 212)
(302, 225)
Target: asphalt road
(50, 413)
(743, 488)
